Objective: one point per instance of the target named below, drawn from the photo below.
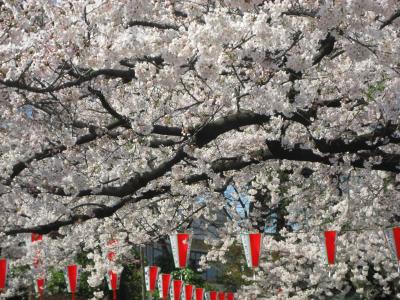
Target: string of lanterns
(113, 275)
(38, 268)
(180, 245)
(176, 289)
(252, 244)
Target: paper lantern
(329, 246)
(188, 292)
(111, 255)
(37, 259)
(3, 273)
(252, 244)
(221, 296)
(35, 237)
(39, 272)
(199, 294)
(212, 295)
(72, 279)
(180, 244)
(176, 289)
(151, 275)
(164, 283)
(230, 296)
(393, 238)
(39, 287)
(113, 280)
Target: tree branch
(126, 75)
(98, 213)
(152, 24)
(390, 20)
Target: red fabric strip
(330, 244)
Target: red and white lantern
(3, 274)
(199, 294)
(111, 254)
(164, 283)
(113, 281)
(37, 259)
(230, 296)
(221, 296)
(212, 295)
(36, 237)
(188, 292)
(176, 289)
(39, 287)
(151, 275)
(329, 246)
(252, 244)
(393, 238)
(72, 279)
(180, 244)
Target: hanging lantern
(37, 259)
(180, 244)
(252, 244)
(35, 237)
(164, 282)
(329, 246)
(3, 273)
(199, 294)
(72, 279)
(111, 255)
(176, 289)
(188, 292)
(113, 280)
(230, 296)
(221, 296)
(151, 275)
(39, 275)
(393, 238)
(39, 287)
(212, 295)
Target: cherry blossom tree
(128, 120)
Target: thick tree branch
(326, 48)
(274, 150)
(54, 150)
(107, 106)
(390, 20)
(98, 213)
(152, 24)
(213, 129)
(126, 75)
(379, 137)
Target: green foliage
(56, 282)
(231, 273)
(375, 88)
(210, 287)
(19, 271)
(189, 276)
(84, 288)
(130, 287)
(165, 262)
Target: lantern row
(180, 245)
(252, 244)
(177, 290)
(71, 274)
